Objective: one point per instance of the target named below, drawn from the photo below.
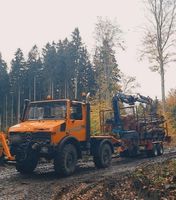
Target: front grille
(41, 136)
(30, 137)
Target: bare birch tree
(159, 38)
(128, 83)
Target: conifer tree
(4, 93)
(18, 80)
(49, 67)
(34, 75)
(108, 37)
(83, 71)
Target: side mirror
(26, 103)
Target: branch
(173, 16)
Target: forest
(122, 145)
(66, 69)
(62, 70)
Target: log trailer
(59, 130)
(135, 121)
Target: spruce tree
(83, 71)
(49, 68)
(17, 81)
(4, 93)
(108, 37)
(34, 75)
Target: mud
(87, 182)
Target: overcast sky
(27, 22)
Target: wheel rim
(155, 151)
(161, 150)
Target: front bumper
(23, 143)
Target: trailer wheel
(124, 154)
(160, 149)
(103, 157)
(133, 152)
(28, 165)
(153, 152)
(66, 160)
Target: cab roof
(56, 100)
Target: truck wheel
(103, 157)
(66, 160)
(160, 149)
(2, 159)
(27, 165)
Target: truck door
(77, 126)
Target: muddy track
(86, 183)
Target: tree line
(62, 70)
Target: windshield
(47, 110)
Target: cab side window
(76, 111)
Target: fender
(109, 142)
(70, 140)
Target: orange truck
(59, 130)
(56, 130)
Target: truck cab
(57, 130)
(45, 127)
(51, 120)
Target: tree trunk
(163, 87)
(65, 89)
(6, 114)
(34, 88)
(19, 103)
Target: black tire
(153, 152)
(28, 165)
(160, 149)
(124, 154)
(103, 156)
(2, 159)
(133, 152)
(66, 160)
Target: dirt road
(86, 183)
